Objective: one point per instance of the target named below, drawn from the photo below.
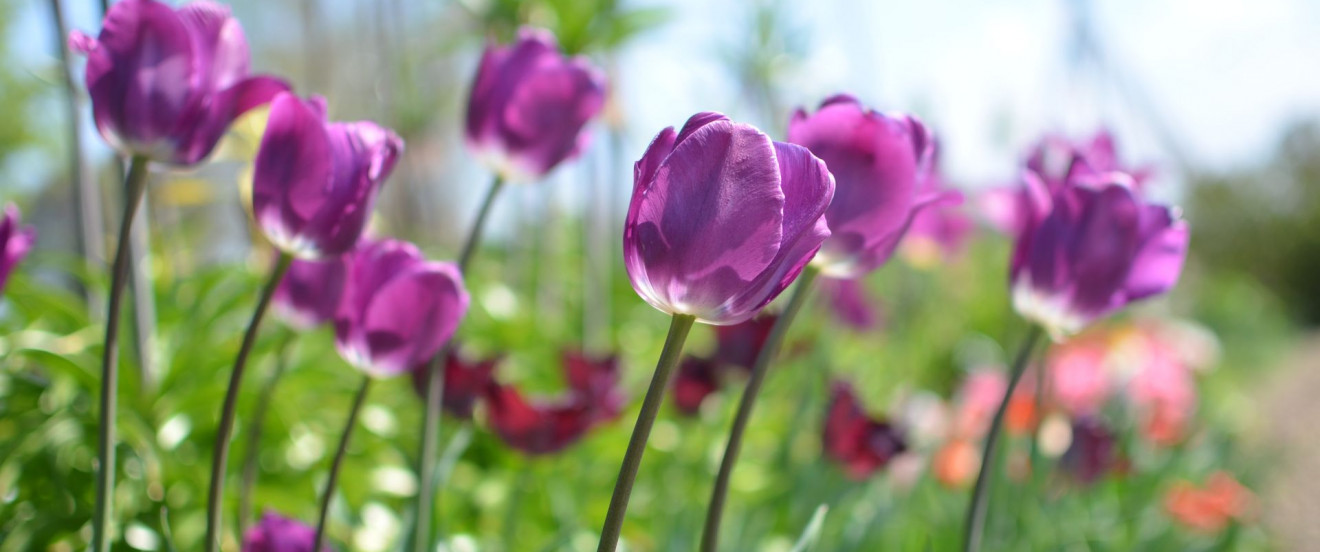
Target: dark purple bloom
(739, 344)
(529, 104)
(1093, 452)
(878, 162)
(1099, 248)
(697, 378)
(277, 533)
(15, 242)
(465, 383)
(545, 425)
(852, 305)
(398, 308)
(314, 182)
(722, 219)
(310, 292)
(166, 83)
(852, 438)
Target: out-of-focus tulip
(314, 182)
(879, 162)
(1209, 509)
(697, 378)
(544, 426)
(738, 344)
(1079, 381)
(852, 305)
(166, 83)
(465, 382)
(940, 230)
(310, 292)
(722, 219)
(1099, 248)
(15, 242)
(398, 308)
(277, 533)
(1163, 390)
(1093, 452)
(861, 443)
(528, 106)
(979, 397)
(956, 463)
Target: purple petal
(291, 173)
(15, 242)
(219, 46)
(644, 169)
(1164, 249)
(1101, 253)
(311, 292)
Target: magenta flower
(739, 344)
(310, 292)
(529, 104)
(1093, 451)
(315, 182)
(1099, 248)
(852, 305)
(15, 242)
(878, 162)
(547, 425)
(722, 219)
(277, 533)
(166, 83)
(465, 383)
(852, 438)
(398, 308)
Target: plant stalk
(339, 460)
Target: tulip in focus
(314, 182)
(310, 292)
(542, 426)
(861, 443)
(15, 242)
(529, 104)
(166, 83)
(276, 533)
(722, 219)
(398, 308)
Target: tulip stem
(479, 225)
(976, 510)
(135, 185)
(250, 455)
(221, 456)
(710, 535)
(632, 459)
(339, 460)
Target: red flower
(861, 443)
(465, 382)
(542, 426)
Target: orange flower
(1209, 509)
(956, 463)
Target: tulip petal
(1159, 263)
(219, 47)
(291, 174)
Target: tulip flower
(166, 83)
(737, 345)
(314, 182)
(310, 292)
(1210, 508)
(861, 443)
(1099, 248)
(15, 242)
(277, 533)
(1079, 380)
(1093, 452)
(465, 382)
(697, 378)
(398, 308)
(879, 163)
(852, 305)
(528, 105)
(543, 426)
(940, 230)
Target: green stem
(135, 185)
(339, 460)
(221, 457)
(426, 490)
(632, 459)
(710, 535)
(250, 455)
(976, 511)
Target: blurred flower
(398, 308)
(722, 219)
(276, 533)
(15, 242)
(1209, 509)
(465, 382)
(739, 344)
(878, 162)
(956, 463)
(310, 292)
(861, 443)
(851, 304)
(314, 182)
(979, 397)
(1099, 248)
(1164, 393)
(940, 230)
(1079, 380)
(166, 83)
(1093, 452)
(528, 105)
(697, 378)
(544, 426)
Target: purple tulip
(398, 308)
(878, 162)
(15, 242)
(1099, 248)
(310, 292)
(277, 533)
(853, 305)
(529, 104)
(722, 219)
(1094, 450)
(314, 182)
(166, 83)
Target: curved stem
(426, 490)
(135, 185)
(221, 456)
(976, 511)
(339, 460)
(251, 453)
(710, 535)
(673, 350)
